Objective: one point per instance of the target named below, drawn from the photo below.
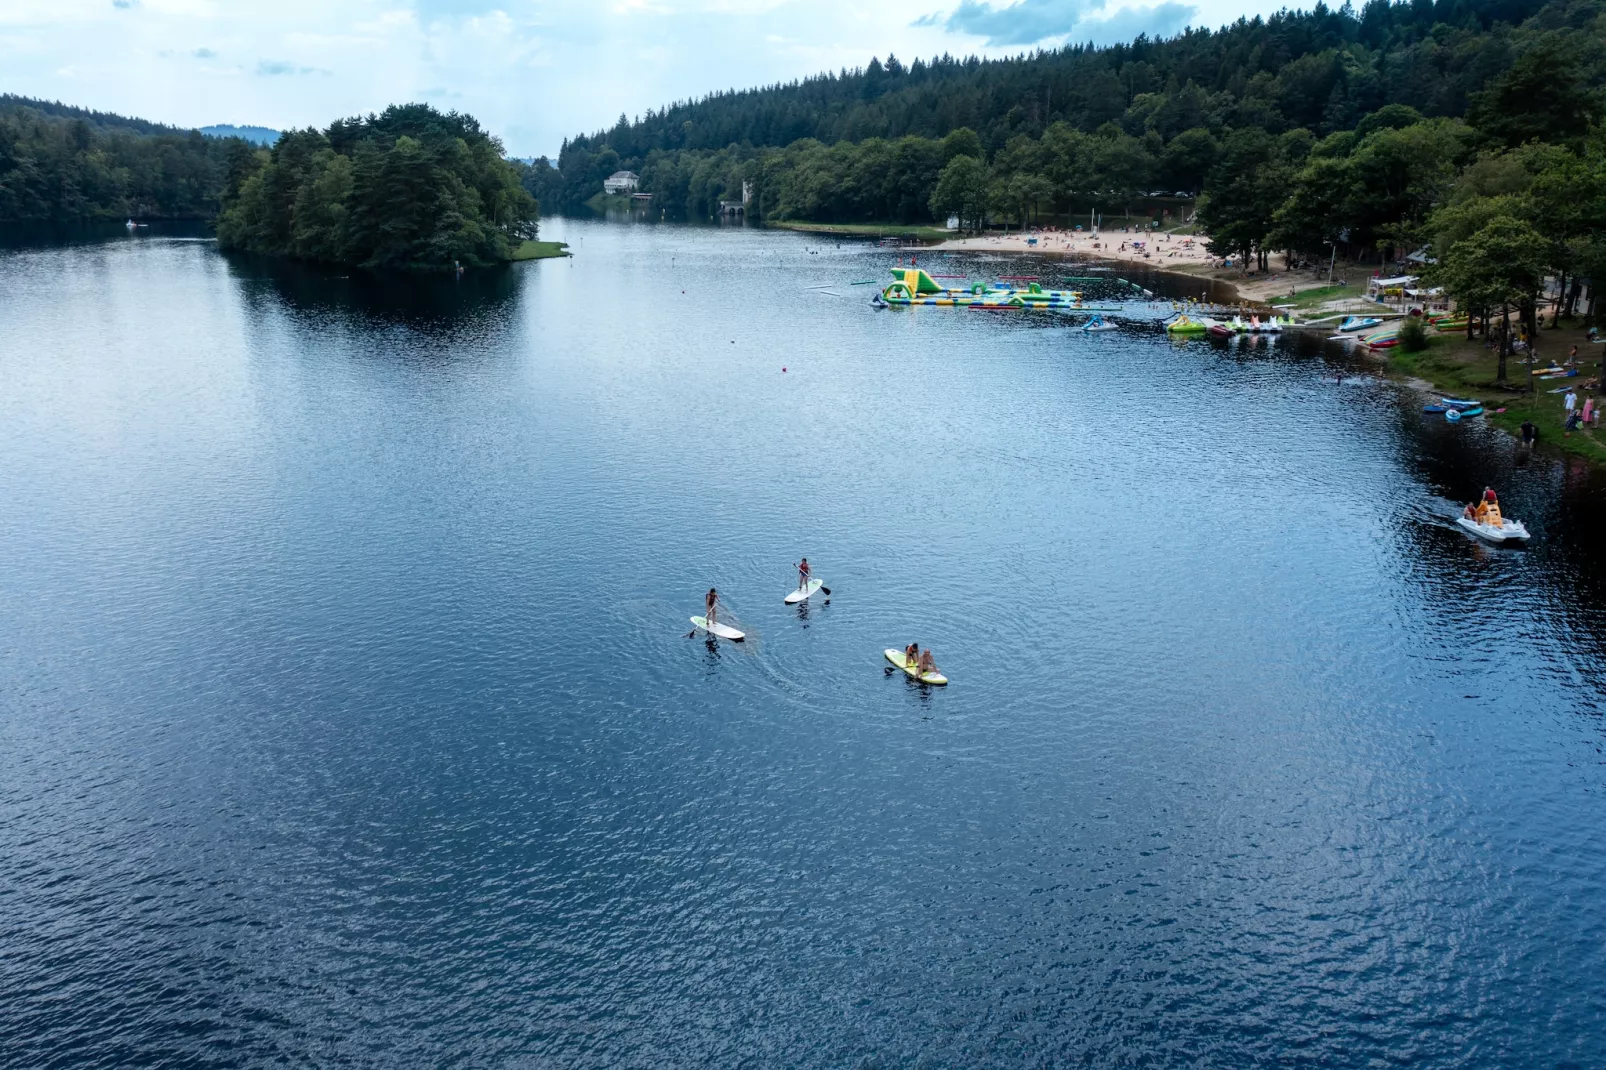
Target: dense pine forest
(60, 164)
(410, 187)
(1092, 128)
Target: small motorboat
(1505, 531)
(1358, 323)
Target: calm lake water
(348, 718)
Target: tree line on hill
(410, 187)
(60, 164)
(1464, 128)
(1320, 71)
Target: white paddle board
(897, 658)
(724, 631)
(803, 592)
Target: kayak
(1461, 403)
(1508, 531)
(936, 679)
(1435, 408)
(724, 631)
(1351, 323)
(800, 593)
(1476, 410)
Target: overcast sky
(532, 71)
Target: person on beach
(1530, 433)
(1569, 403)
(711, 605)
(803, 574)
(1589, 409)
(1572, 423)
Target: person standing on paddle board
(803, 574)
(712, 604)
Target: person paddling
(803, 574)
(711, 603)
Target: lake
(348, 715)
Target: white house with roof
(620, 182)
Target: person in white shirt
(1570, 401)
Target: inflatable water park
(914, 286)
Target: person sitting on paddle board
(928, 664)
(803, 574)
(712, 604)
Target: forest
(1059, 133)
(60, 164)
(1464, 131)
(410, 187)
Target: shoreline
(1173, 254)
(1449, 367)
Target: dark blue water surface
(347, 716)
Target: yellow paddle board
(897, 658)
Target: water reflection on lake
(348, 717)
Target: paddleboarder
(803, 574)
(711, 604)
(928, 664)
(911, 655)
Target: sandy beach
(1184, 254)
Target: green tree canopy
(410, 187)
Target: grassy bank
(1321, 294)
(541, 250)
(870, 230)
(1458, 368)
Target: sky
(532, 71)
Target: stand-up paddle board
(724, 631)
(897, 658)
(803, 592)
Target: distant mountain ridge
(257, 135)
(10, 102)
(109, 121)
